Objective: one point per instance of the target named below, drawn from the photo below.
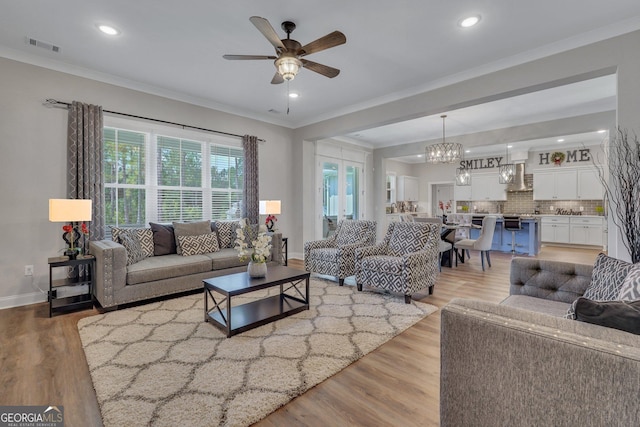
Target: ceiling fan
(290, 53)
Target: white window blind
(124, 177)
(156, 176)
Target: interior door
(340, 188)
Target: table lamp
(271, 208)
(71, 211)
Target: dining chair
(482, 243)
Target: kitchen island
(527, 239)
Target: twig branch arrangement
(622, 188)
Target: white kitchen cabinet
(408, 189)
(589, 185)
(555, 184)
(586, 231)
(487, 187)
(462, 192)
(555, 229)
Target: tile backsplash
(522, 202)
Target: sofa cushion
(622, 315)
(226, 232)
(630, 289)
(607, 278)
(606, 281)
(383, 264)
(190, 229)
(201, 244)
(225, 258)
(144, 235)
(129, 239)
(166, 267)
(164, 239)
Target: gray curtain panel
(84, 158)
(251, 191)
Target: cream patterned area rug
(160, 364)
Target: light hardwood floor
(42, 362)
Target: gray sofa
(116, 283)
(520, 363)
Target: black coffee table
(240, 318)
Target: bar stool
(513, 224)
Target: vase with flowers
(269, 222)
(444, 207)
(253, 244)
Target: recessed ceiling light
(469, 21)
(561, 140)
(601, 131)
(293, 95)
(108, 29)
(419, 155)
(467, 151)
(509, 146)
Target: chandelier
(443, 152)
(507, 172)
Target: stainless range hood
(519, 183)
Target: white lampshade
(69, 210)
(269, 207)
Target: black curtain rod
(52, 102)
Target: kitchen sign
(575, 156)
(572, 156)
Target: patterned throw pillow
(129, 239)
(226, 232)
(144, 235)
(195, 228)
(630, 290)
(606, 280)
(202, 244)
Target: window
(159, 177)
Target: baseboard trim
(22, 299)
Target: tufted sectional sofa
(117, 281)
(521, 363)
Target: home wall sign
(488, 163)
(572, 156)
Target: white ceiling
(393, 49)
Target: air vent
(44, 45)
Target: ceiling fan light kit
(443, 152)
(289, 53)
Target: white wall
(33, 163)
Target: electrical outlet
(550, 208)
(28, 270)
(581, 208)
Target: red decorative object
(269, 222)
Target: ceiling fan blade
(277, 79)
(248, 57)
(325, 70)
(267, 30)
(330, 40)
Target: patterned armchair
(335, 256)
(406, 261)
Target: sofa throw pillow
(144, 235)
(129, 239)
(606, 280)
(164, 239)
(623, 315)
(226, 232)
(630, 289)
(195, 228)
(202, 244)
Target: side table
(84, 300)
